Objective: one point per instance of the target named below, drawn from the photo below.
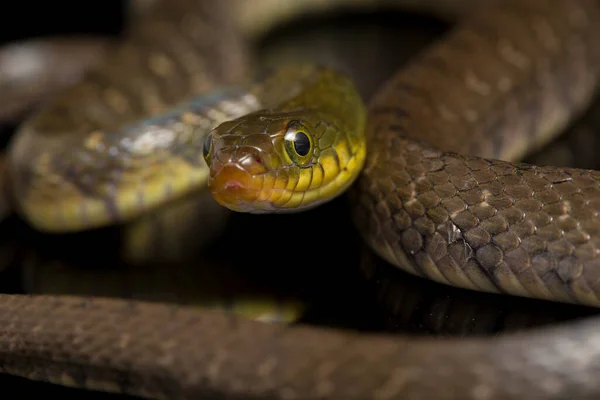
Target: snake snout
(237, 183)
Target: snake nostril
(249, 157)
(252, 162)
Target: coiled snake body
(514, 73)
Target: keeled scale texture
(481, 223)
(167, 352)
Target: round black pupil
(207, 143)
(301, 144)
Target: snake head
(278, 162)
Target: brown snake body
(522, 68)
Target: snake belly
(523, 67)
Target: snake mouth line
(237, 189)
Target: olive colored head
(277, 162)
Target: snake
(429, 166)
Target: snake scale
(512, 73)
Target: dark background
(26, 19)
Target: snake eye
(298, 143)
(301, 143)
(207, 146)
